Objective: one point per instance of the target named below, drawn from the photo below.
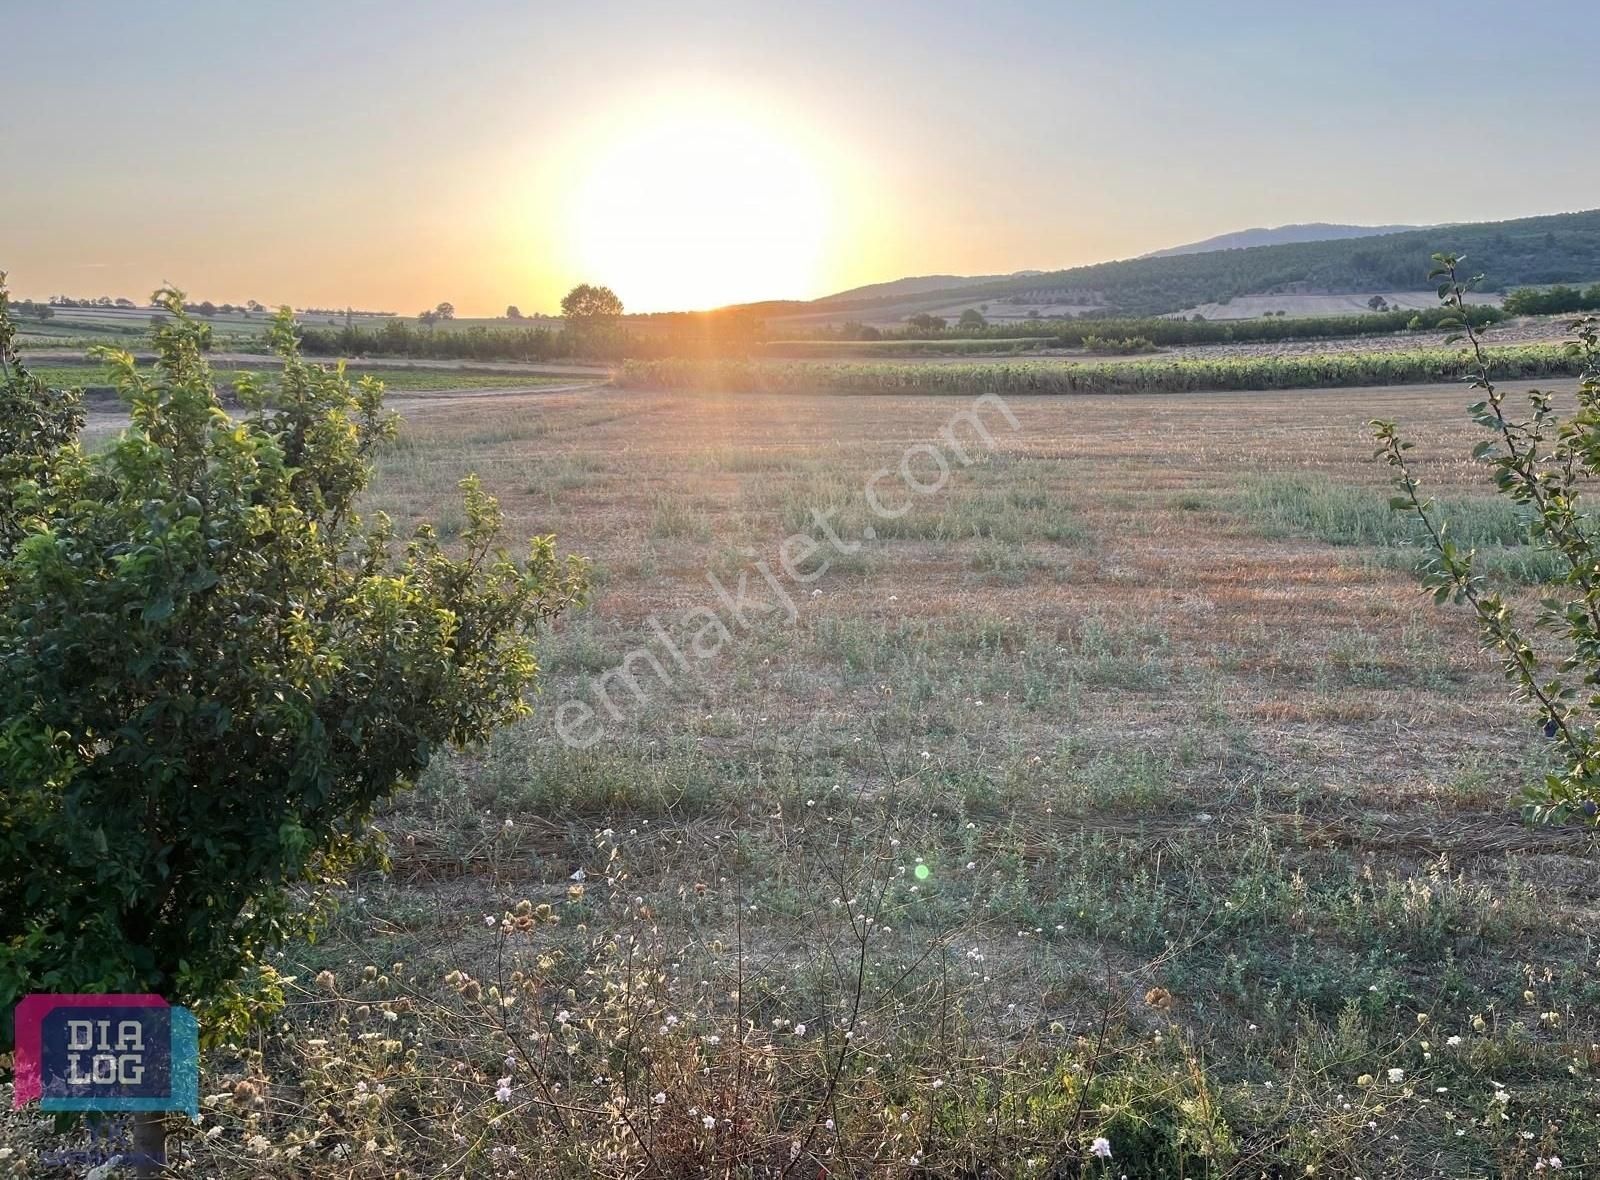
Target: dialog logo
(106, 1053)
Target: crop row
(1070, 377)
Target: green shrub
(212, 667)
(1126, 346)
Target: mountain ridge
(1300, 231)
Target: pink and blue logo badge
(106, 1053)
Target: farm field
(81, 327)
(1248, 306)
(400, 380)
(1218, 371)
(1120, 733)
(51, 361)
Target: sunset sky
(392, 155)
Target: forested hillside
(1533, 250)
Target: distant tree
(252, 305)
(207, 308)
(513, 312)
(924, 322)
(126, 303)
(590, 304)
(445, 311)
(428, 318)
(1378, 303)
(971, 318)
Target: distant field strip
(95, 379)
(1068, 377)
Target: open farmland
(799, 592)
(1113, 747)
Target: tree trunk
(149, 1143)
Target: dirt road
(106, 418)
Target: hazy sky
(390, 155)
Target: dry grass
(1171, 676)
(1143, 733)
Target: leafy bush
(1127, 346)
(212, 667)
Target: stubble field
(1127, 784)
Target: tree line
(1557, 300)
(1164, 329)
(592, 328)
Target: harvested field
(1149, 690)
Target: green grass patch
(1317, 508)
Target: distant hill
(1563, 247)
(921, 285)
(1311, 231)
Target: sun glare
(701, 207)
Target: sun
(701, 206)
